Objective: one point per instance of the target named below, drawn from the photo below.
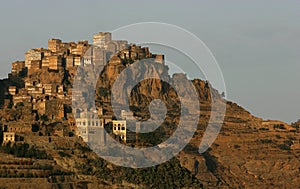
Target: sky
(256, 43)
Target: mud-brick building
(35, 66)
(9, 137)
(102, 38)
(79, 48)
(55, 62)
(17, 67)
(45, 62)
(69, 61)
(82, 46)
(12, 90)
(53, 109)
(18, 127)
(160, 58)
(21, 98)
(104, 41)
(32, 55)
(54, 45)
(35, 91)
(49, 89)
(71, 121)
(77, 60)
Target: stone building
(159, 58)
(32, 55)
(77, 60)
(69, 61)
(54, 45)
(18, 127)
(35, 65)
(91, 128)
(104, 41)
(53, 109)
(71, 122)
(21, 98)
(35, 91)
(12, 90)
(49, 89)
(101, 39)
(55, 62)
(120, 129)
(80, 48)
(45, 62)
(17, 67)
(9, 137)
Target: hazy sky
(256, 43)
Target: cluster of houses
(49, 98)
(90, 126)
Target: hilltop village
(39, 89)
(44, 138)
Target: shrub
(266, 141)
(44, 118)
(64, 154)
(278, 136)
(278, 126)
(284, 147)
(24, 150)
(264, 129)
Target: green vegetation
(284, 147)
(266, 141)
(278, 136)
(35, 128)
(278, 126)
(20, 104)
(103, 91)
(25, 151)
(44, 117)
(10, 105)
(167, 175)
(64, 154)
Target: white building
(9, 136)
(91, 128)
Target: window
(118, 128)
(123, 128)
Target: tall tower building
(101, 39)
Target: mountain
(36, 107)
